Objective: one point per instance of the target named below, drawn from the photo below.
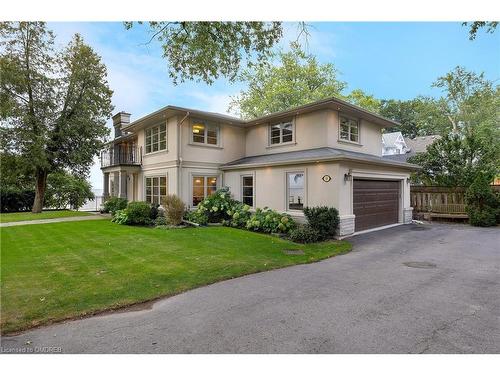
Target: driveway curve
(409, 289)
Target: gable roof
(420, 144)
(329, 103)
(312, 155)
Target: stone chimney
(120, 120)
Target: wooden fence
(440, 201)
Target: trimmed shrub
(174, 209)
(482, 217)
(269, 221)
(324, 220)
(121, 217)
(482, 203)
(13, 200)
(114, 204)
(304, 234)
(160, 220)
(139, 213)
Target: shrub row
(13, 200)
(220, 207)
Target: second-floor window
(205, 132)
(281, 133)
(156, 138)
(349, 129)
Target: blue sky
(388, 60)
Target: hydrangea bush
(222, 208)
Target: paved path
(367, 301)
(55, 220)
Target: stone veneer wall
(346, 225)
(408, 215)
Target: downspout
(179, 153)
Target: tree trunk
(41, 185)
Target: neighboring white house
(413, 147)
(393, 144)
(325, 153)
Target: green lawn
(22, 216)
(54, 271)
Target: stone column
(123, 184)
(105, 192)
(116, 184)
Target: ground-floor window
(156, 189)
(295, 190)
(203, 186)
(247, 190)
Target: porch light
(348, 176)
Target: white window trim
(206, 123)
(287, 172)
(292, 142)
(154, 176)
(166, 139)
(359, 129)
(253, 187)
(205, 176)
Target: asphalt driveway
(410, 289)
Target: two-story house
(326, 153)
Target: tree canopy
(205, 51)
(295, 78)
(474, 27)
(54, 104)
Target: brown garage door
(375, 203)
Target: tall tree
(470, 100)
(296, 79)
(205, 51)
(54, 104)
(418, 117)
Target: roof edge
(323, 158)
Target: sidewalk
(57, 220)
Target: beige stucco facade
(183, 160)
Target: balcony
(123, 154)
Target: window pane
(155, 147)
(148, 181)
(212, 181)
(344, 135)
(148, 149)
(248, 181)
(354, 137)
(275, 130)
(148, 133)
(211, 141)
(275, 140)
(199, 133)
(344, 128)
(295, 191)
(248, 200)
(247, 191)
(211, 185)
(354, 129)
(148, 198)
(163, 145)
(198, 189)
